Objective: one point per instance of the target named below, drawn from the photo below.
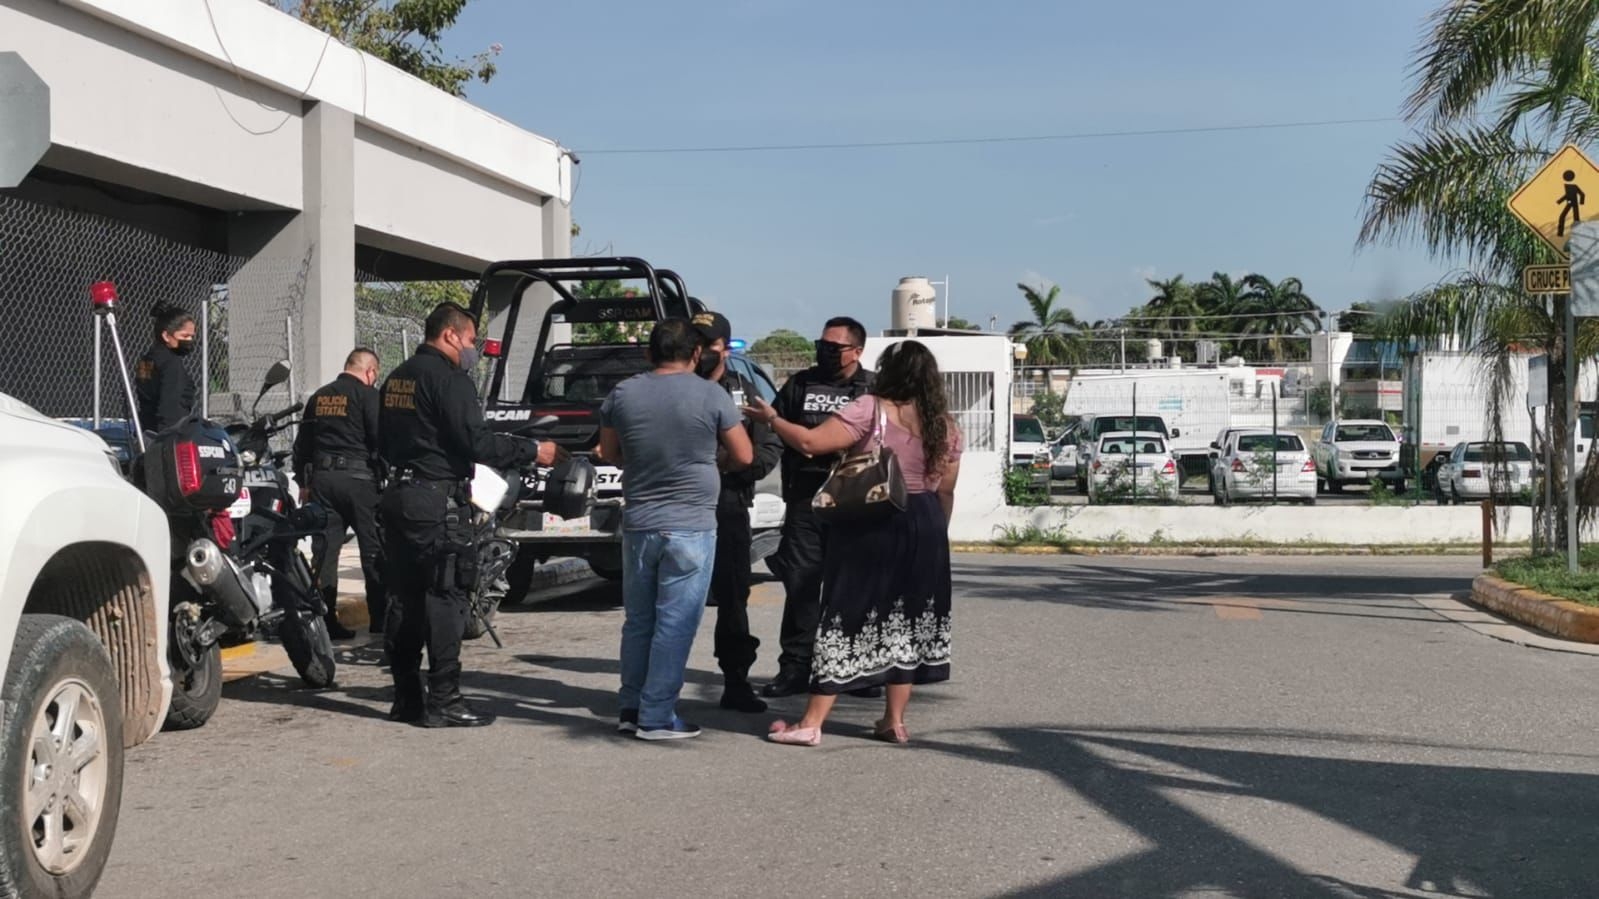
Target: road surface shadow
(1164, 590)
(1473, 830)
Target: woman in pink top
(886, 583)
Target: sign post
(1552, 203)
(1583, 244)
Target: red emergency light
(103, 294)
(491, 349)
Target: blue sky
(785, 239)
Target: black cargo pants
(351, 499)
(798, 562)
(428, 544)
(730, 586)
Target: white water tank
(1152, 349)
(914, 305)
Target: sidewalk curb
(1550, 614)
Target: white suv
(84, 566)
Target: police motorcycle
(569, 486)
(270, 528)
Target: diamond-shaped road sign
(1564, 192)
(24, 119)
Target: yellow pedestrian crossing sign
(1553, 201)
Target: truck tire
(62, 736)
(606, 569)
(519, 577)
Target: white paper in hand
(488, 488)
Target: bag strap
(880, 424)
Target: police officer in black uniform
(162, 386)
(334, 462)
(431, 431)
(730, 574)
(810, 398)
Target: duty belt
(327, 462)
(409, 476)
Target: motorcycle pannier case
(191, 468)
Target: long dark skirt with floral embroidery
(885, 602)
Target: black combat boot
(410, 699)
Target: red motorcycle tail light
(188, 459)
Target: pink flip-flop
(781, 732)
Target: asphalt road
(1154, 727)
(1195, 493)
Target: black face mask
(829, 356)
(709, 361)
(184, 348)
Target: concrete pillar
(328, 220)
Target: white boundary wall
(1286, 525)
(978, 359)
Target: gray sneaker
(677, 730)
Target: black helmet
(569, 490)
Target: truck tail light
(1096, 465)
(1310, 465)
(1471, 473)
(188, 464)
(1171, 467)
(1238, 465)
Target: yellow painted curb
(235, 653)
(1550, 614)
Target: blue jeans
(665, 576)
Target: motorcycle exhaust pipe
(217, 575)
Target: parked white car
(1358, 452)
(1257, 464)
(1132, 466)
(1477, 471)
(84, 567)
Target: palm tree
(1173, 311)
(1278, 309)
(1051, 335)
(1499, 85)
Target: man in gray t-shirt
(663, 428)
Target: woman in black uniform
(163, 386)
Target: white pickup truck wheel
(60, 760)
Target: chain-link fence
(390, 316)
(782, 366)
(49, 256)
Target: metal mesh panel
(48, 258)
(390, 316)
(971, 402)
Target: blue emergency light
(736, 344)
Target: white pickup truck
(84, 566)
(1358, 452)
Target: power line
(1011, 139)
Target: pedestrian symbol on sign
(1571, 202)
(1552, 201)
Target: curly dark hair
(908, 373)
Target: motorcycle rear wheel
(196, 690)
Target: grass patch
(1547, 573)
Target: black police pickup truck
(596, 314)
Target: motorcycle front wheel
(303, 631)
(305, 638)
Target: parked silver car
(1482, 470)
(1257, 464)
(1132, 466)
